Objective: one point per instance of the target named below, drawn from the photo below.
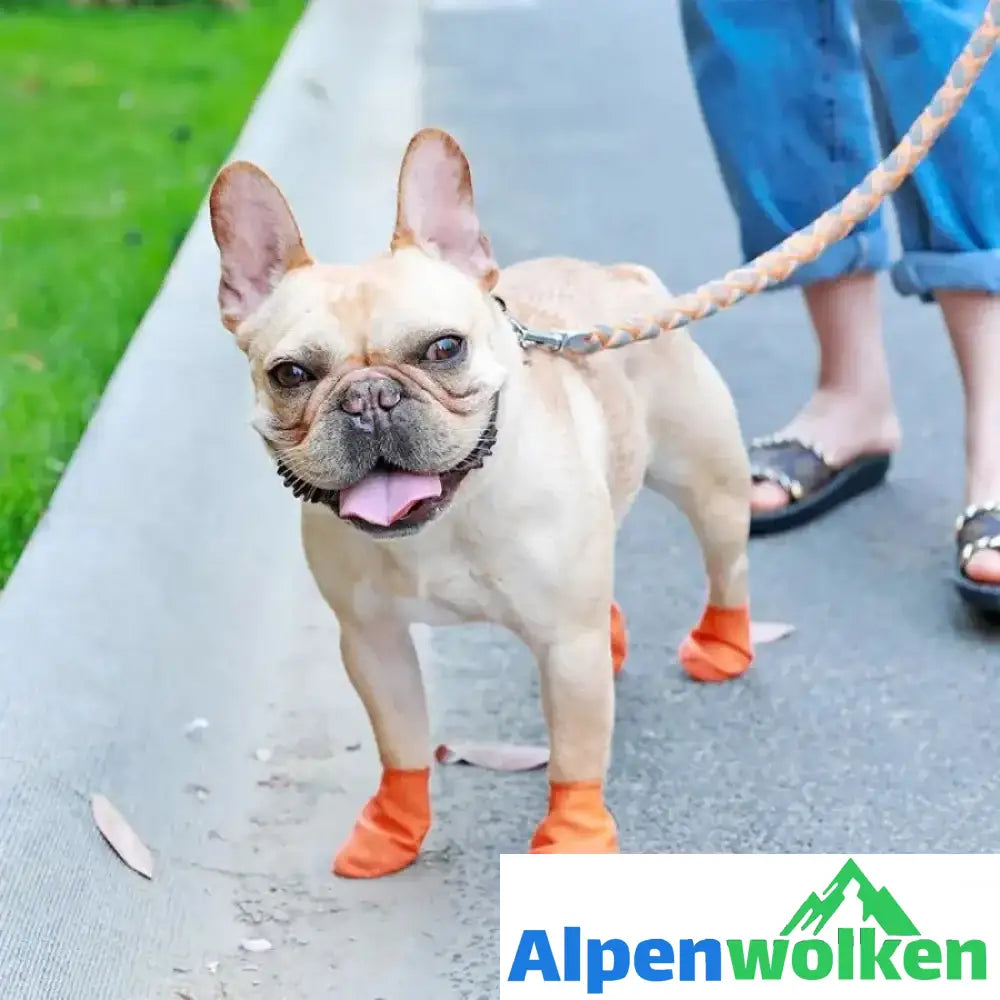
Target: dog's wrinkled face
(377, 386)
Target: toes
(984, 567)
(766, 496)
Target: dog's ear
(257, 237)
(435, 209)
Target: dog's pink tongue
(384, 497)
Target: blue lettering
(650, 951)
(571, 954)
(525, 961)
(711, 948)
(597, 974)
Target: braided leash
(807, 244)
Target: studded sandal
(977, 528)
(813, 485)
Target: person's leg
(784, 98)
(851, 411)
(973, 320)
(948, 211)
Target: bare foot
(844, 427)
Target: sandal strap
(797, 466)
(974, 511)
(976, 529)
(784, 440)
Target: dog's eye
(445, 349)
(289, 375)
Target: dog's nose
(371, 395)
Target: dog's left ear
(435, 209)
(257, 236)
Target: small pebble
(255, 945)
(200, 792)
(196, 726)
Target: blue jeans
(798, 95)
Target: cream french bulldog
(448, 475)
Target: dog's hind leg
(700, 463)
(382, 664)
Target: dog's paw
(718, 648)
(391, 828)
(578, 821)
(619, 639)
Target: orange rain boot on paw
(619, 639)
(718, 648)
(392, 826)
(578, 821)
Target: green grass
(112, 125)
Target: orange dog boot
(578, 821)
(619, 639)
(718, 648)
(391, 827)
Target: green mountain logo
(877, 904)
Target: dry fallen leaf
(495, 756)
(762, 632)
(124, 841)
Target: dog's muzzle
(372, 398)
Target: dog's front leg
(382, 664)
(579, 699)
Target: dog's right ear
(435, 208)
(257, 237)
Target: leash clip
(550, 340)
(556, 341)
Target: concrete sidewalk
(166, 582)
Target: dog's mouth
(390, 500)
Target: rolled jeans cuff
(865, 251)
(920, 272)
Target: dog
(447, 474)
